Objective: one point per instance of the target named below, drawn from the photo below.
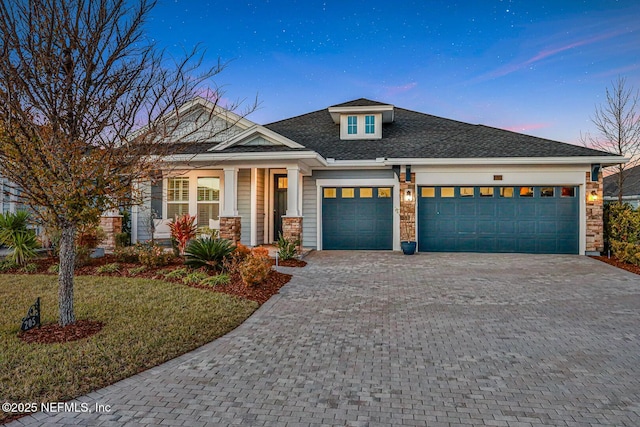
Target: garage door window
(329, 193)
(506, 191)
(486, 191)
(366, 193)
(384, 193)
(526, 191)
(428, 192)
(347, 193)
(447, 192)
(466, 191)
(546, 192)
(568, 192)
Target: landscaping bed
(620, 264)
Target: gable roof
(417, 135)
(631, 183)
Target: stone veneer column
(230, 228)
(111, 225)
(292, 229)
(595, 226)
(407, 209)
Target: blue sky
(537, 67)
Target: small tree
(78, 81)
(618, 126)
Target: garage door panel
(500, 224)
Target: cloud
(395, 90)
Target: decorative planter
(408, 248)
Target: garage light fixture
(408, 195)
(593, 196)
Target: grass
(146, 322)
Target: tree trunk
(65, 275)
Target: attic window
(369, 124)
(352, 125)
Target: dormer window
(352, 125)
(369, 124)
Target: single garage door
(543, 220)
(357, 218)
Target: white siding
(244, 205)
(309, 213)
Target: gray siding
(309, 213)
(260, 214)
(244, 205)
(353, 174)
(144, 213)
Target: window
(546, 192)
(506, 191)
(329, 193)
(177, 196)
(466, 191)
(428, 192)
(366, 193)
(447, 192)
(347, 193)
(208, 200)
(486, 191)
(283, 182)
(384, 193)
(352, 125)
(526, 191)
(568, 192)
(369, 124)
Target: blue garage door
(542, 220)
(357, 218)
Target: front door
(279, 203)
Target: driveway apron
(380, 339)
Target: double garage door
(522, 219)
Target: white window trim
(361, 126)
(376, 182)
(193, 190)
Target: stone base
(111, 225)
(230, 228)
(292, 229)
(595, 225)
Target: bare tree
(78, 82)
(618, 125)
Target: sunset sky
(536, 67)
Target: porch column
(293, 191)
(229, 220)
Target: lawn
(146, 322)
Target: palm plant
(17, 237)
(209, 253)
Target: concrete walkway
(381, 339)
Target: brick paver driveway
(364, 338)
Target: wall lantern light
(408, 195)
(593, 196)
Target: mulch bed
(54, 333)
(620, 264)
(290, 262)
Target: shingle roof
(631, 183)
(419, 135)
(362, 102)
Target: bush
(194, 278)
(17, 237)
(83, 256)
(122, 240)
(209, 253)
(109, 268)
(127, 254)
(153, 255)
(183, 229)
(6, 265)
(90, 236)
(177, 273)
(213, 281)
(287, 249)
(621, 223)
(54, 269)
(255, 269)
(30, 267)
(626, 252)
(137, 270)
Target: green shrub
(21, 241)
(287, 249)
(213, 281)
(209, 253)
(6, 265)
(177, 273)
(108, 268)
(83, 256)
(626, 252)
(54, 268)
(122, 240)
(194, 277)
(621, 223)
(30, 267)
(137, 270)
(127, 254)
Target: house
(631, 187)
(354, 175)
